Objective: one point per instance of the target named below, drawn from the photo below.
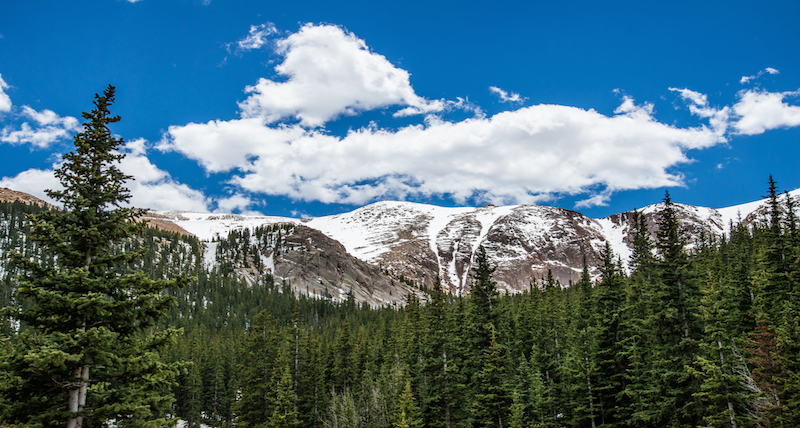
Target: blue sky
(311, 108)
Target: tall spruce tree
(635, 337)
(610, 299)
(493, 395)
(580, 362)
(439, 369)
(674, 328)
(87, 349)
(481, 322)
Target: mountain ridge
(422, 242)
(405, 246)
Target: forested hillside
(706, 337)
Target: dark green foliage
(87, 350)
(609, 353)
(408, 414)
(490, 407)
(670, 340)
(440, 372)
(671, 329)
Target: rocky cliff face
(315, 264)
(524, 242)
(532, 240)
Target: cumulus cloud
(256, 38)
(47, 128)
(522, 156)
(747, 79)
(33, 182)
(755, 111)
(151, 188)
(329, 72)
(5, 101)
(759, 111)
(528, 155)
(505, 97)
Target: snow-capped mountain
(420, 242)
(378, 251)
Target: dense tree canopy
(685, 334)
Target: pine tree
(610, 299)
(256, 372)
(483, 298)
(481, 319)
(673, 328)
(284, 410)
(88, 350)
(719, 366)
(518, 407)
(438, 370)
(773, 280)
(548, 355)
(408, 414)
(768, 375)
(490, 407)
(580, 362)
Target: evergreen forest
(691, 334)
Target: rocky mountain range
(382, 252)
(418, 242)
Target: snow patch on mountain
(422, 241)
(615, 236)
(212, 226)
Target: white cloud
(598, 199)
(522, 156)
(759, 111)
(330, 72)
(222, 145)
(505, 97)
(50, 118)
(257, 37)
(33, 182)
(237, 202)
(697, 98)
(5, 101)
(40, 137)
(48, 128)
(527, 155)
(719, 119)
(151, 188)
(440, 106)
(747, 79)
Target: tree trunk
(77, 396)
